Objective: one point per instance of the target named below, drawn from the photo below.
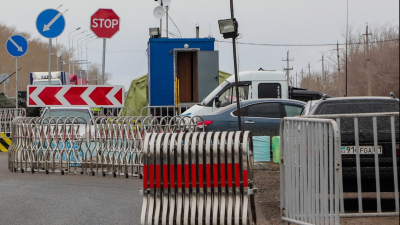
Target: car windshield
(46, 82)
(215, 92)
(84, 113)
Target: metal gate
(310, 171)
(374, 127)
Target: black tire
(126, 175)
(140, 176)
(81, 172)
(33, 170)
(62, 172)
(22, 170)
(15, 170)
(93, 173)
(115, 174)
(47, 171)
(104, 174)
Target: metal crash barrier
(103, 145)
(6, 117)
(198, 178)
(310, 182)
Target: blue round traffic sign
(50, 23)
(16, 45)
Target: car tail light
(206, 123)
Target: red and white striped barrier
(198, 178)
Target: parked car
(262, 116)
(356, 105)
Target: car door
(263, 119)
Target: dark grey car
(262, 116)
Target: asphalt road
(27, 198)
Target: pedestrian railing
(104, 145)
(310, 171)
(198, 178)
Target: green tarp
(137, 95)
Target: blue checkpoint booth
(191, 61)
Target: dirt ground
(268, 200)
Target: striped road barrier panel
(310, 171)
(5, 142)
(198, 178)
(102, 146)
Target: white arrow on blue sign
(16, 45)
(50, 23)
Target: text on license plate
(363, 149)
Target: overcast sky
(260, 21)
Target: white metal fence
(310, 171)
(327, 156)
(381, 130)
(6, 117)
(103, 145)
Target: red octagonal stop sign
(104, 23)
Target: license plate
(364, 150)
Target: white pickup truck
(252, 85)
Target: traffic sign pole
(104, 60)
(16, 83)
(49, 77)
(16, 46)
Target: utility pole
(323, 75)
(296, 78)
(302, 73)
(287, 67)
(309, 75)
(366, 60)
(338, 67)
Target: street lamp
(229, 29)
(83, 41)
(87, 61)
(73, 44)
(69, 49)
(77, 45)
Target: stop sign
(104, 23)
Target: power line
(305, 45)
(175, 25)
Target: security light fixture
(154, 32)
(228, 28)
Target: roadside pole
(16, 83)
(49, 77)
(104, 61)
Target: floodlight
(228, 28)
(154, 32)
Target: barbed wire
(305, 45)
